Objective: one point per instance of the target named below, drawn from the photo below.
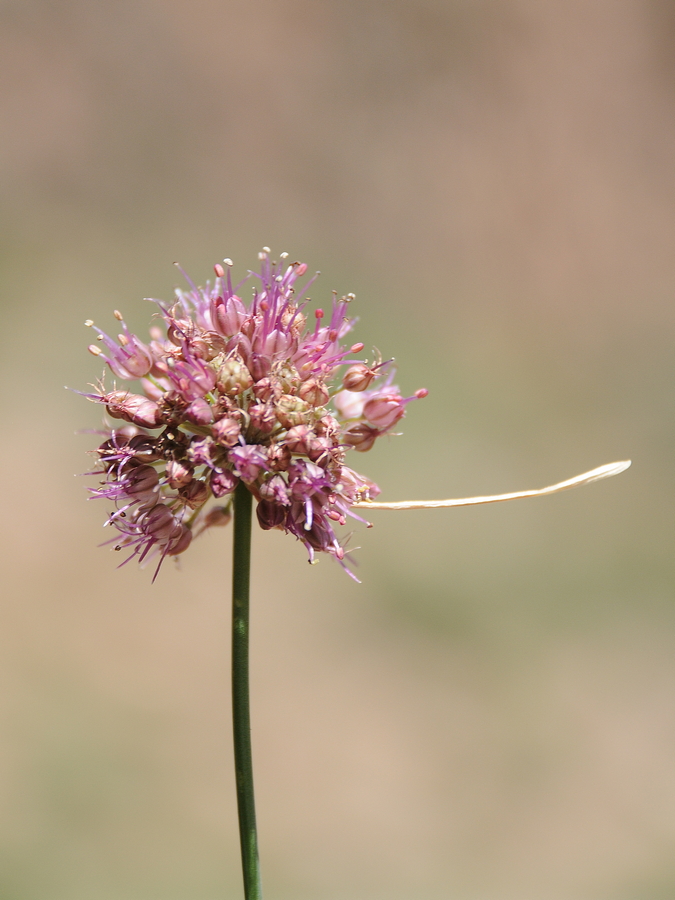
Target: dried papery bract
(606, 471)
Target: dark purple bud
(172, 408)
(181, 543)
(270, 514)
(145, 448)
(360, 436)
(160, 523)
(195, 494)
(142, 484)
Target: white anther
(89, 322)
(278, 278)
(266, 250)
(283, 255)
(228, 261)
(118, 315)
(99, 337)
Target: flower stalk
(241, 717)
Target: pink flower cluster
(234, 393)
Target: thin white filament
(606, 471)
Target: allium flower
(261, 393)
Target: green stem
(241, 719)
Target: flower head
(265, 393)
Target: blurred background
(490, 715)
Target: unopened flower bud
(298, 438)
(358, 377)
(199, 412)
(260, 365)
(226, 432)
(160, 523)
(233, 378)
(360, 436)
(178, 473)
(262, 417)
(270, 514)
(145, 448)
(142, 484)
(314, 392)
(327, 426)
(133, 408)
(195, 493)
(228, 315)
(181, 543)
(223, 483)
(383, 412)
(266, 388)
